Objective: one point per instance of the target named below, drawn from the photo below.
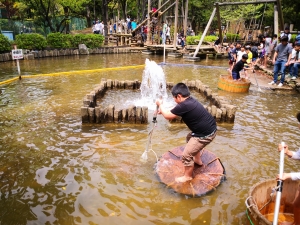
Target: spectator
(268, 50)
(297, 61)
(97, 27)
(281, 59)
(164, 32)
(286, 33)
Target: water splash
(153, 86)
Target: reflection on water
(54, 170)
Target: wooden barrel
(205, 178)
(226, 83)
(261, 202)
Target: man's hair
(284, 38)
(298, 116)
(181, 89)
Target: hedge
(59, 40)
(31, 41)
(5, 45)
(191, 40)
(54, 40)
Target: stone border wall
(219, 108)
(69, 52)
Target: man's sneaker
(280, 85)
(294, 78)
(271, 83)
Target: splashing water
(153, 84)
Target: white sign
(17, 54)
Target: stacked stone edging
(219, 108)
(68, 52)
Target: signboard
(17, 54)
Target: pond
(56, 170)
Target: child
(201, 123)
(239, 66)
(249, 65)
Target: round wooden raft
(205, 178)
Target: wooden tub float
(262, 198)
(226, 83)
(206, 177)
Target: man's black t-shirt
(238, 66)
(195, 116)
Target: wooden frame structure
(217, 10)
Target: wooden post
(175, 25)
(148, 24)
(280, 15)
(275, 20)
(205, 31)
(219, 23)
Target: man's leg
(188, 174)
(276, 69)
(295, 69)
(282, 68)
(296, 205)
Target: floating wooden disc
(206, 177)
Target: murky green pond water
(54, 170)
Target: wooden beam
(219, 23)
(205, 31)
(246, 3)
(143, 22)
(175, 25)
(281, 24)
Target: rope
(249, 217)
(81, 72)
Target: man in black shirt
(202, 125)
(239, 66)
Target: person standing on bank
(281, 59)
(202, 125)
(293, 176)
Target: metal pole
(165, 52)
(205, 31)
(18, 64)
(279, 186)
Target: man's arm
(165, 111)
(274, 57)
(289, 59)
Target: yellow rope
(83, 72)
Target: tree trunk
(105, 19)
(88, 16)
